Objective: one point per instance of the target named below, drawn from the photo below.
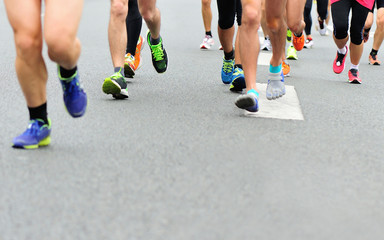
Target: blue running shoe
(249, 101)
(36, 135)
(227, 70)
(75, 98)
(238, 80)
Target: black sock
(65, 73)
(374, 52)
(155, 41)
(39, 112)
(209, 33)
(230, 55)
(366, 30)
(321, 23)
(239, 66)
(299, 34)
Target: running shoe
(249, 101)
(207, 42)
(238, 80)
(339, 62)
(75, 98)
(129, 66)
(289, 35)
(227, 70)
(286, 68)
(221, 48)
(292, 53)
(308, 43)
(139, 47)
(275, 87)
(36, 135)
(159, 55)
(267, 46)
(365, 35)
(373, 60)
(353, 76)
(116, 85)
(298, 42)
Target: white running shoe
(267, 46)
(308, 43)
(207, 42)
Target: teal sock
(273, 69)
(254, 92)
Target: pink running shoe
(339, 63)
(353, 76)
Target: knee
(340, 31)
(119, 9)
(58, 45)
(147, 13)
(274, 24)
(356, 36)
(296, 25)
(206, 3)
(251, 17)
(380, 22)
(28, 45)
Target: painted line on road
(286, 107)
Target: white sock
(342, 50)
(354, 67)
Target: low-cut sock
(67, 73)
(239, 66)
(354, 67)
(253, 91)
(154, 41)
(374, 52)
(230, 55)
(39, 112)
(209, 33)
(118, 69)
(342, 50)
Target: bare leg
(207, 14)
(379, 33)
(237, 48)
(151, 15)
(30, 66)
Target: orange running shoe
(139, 46)
(286, 68)
(373, 60)
(129, 66)
(298, 42)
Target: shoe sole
(111, 87)
(355, 81)
(128, 71)
(245, 102)
(45, 142)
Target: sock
(155, 41)
(65, 73)
(366, 30)
(239, 66)
(39, 112)
(321, 23)
(230, 55)
(342, 50)
(254, 92)
(209, 33)
(273, 69)
(298, 35)
(354, 67)
(374, 52)
(118, 69)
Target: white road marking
(286, 107)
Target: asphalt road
(178, 160)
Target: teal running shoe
(36, 135)
(159, 55)
(238, 80)
(75, 98)
(116, 85)
(227, 70)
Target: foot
(116, 85)
(207, 42)
(298, 42)
(275, 87)
(75, 98)
(339, 62)
(129, 66)
(267, 46)
(139, 47)
(373, 60)
(36, 135)
(308, 43)
(249, 101)
(227, 70)
(159, 55)
(292, 53)
(353, 76)
(238, 80)
(286, 68)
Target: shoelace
(157, 52)
(227, 67)
(70, 87)
(33, 128)
(354, 72)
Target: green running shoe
(159, 55)
(116, 85)
(292, 53)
